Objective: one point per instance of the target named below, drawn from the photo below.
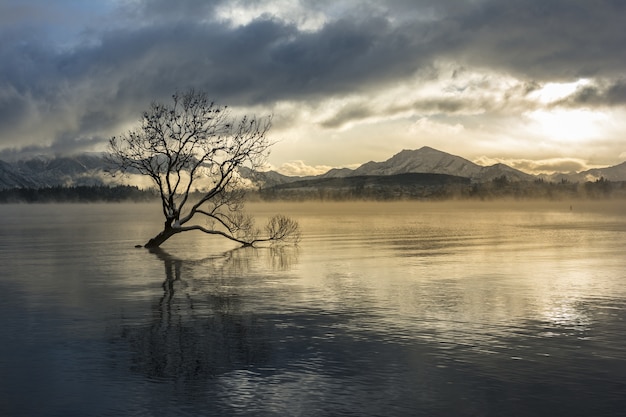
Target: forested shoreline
(77, 194)
(430, 187)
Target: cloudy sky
(537, 84)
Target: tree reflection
(205, 324)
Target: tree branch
(177, 145)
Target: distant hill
(492, 172)
(40, 172)
(90, 169)
(266, 178)
(337, 173)
(423, 160)
(382, 187)
(429, 160)
(613, 173)
(376, 181)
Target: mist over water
(384, 309)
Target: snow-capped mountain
(85, 169)
(10, 177)
(432, 161)
(488, 173)
(423, 160)
(90, 169)
(612, 173)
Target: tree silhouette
(194, 148)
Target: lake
(383, 309)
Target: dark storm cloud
(166, 10)
(151, 48)
(348, 114)
(546, 40)
(359, 112)
(13, 108)
(264, 60)
(270, 59)
(610, 93)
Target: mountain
(432, 161)
(423, 160)
(376, 181)
(492, 172)
(89, 169)
(42, 171)
(337, 173)
(265, 178)
(613, 173)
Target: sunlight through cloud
(552, 92)
(567, 125)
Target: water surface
(382, 310)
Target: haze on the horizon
(534, 84)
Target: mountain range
(90, 169)
(45, 171)
(432, 161)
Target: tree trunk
(158, 240)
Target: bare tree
(192, 151)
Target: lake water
(399, 309)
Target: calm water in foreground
(382, 310)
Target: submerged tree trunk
(158, 240)
(278, 228)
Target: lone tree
(192, 150)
